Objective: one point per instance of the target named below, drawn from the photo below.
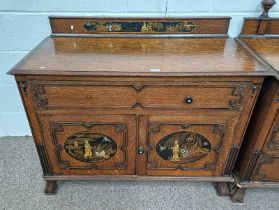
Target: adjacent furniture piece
(258, 162)
(139, 99)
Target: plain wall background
(24, 23)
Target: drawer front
(193, 95)
(90, 144)
(186, 145)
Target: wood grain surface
(139, 56)
(267, 49)
(75, 25)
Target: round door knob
(140, 150)
(188, 99)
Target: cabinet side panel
(259, 126)
(36, 128)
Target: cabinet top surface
(266, 48)
(143, 57)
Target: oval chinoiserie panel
(183, 147)
(90, 147)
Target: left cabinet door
(89, 144)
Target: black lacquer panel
(187, 26)
(90, 147)
(183, 147)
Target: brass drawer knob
(188, 99)
(140, 150)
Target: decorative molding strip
(252, 165)
(47, 170)
(231, 160)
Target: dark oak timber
(171, 106)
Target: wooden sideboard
(258, 162)
(139, 99)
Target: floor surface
(21, 187)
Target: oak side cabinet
(139, 99)
(258, 162)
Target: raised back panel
(118, 26)
(260, 26)
(263, 25)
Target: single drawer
(210, 95)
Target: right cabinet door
(198, 144)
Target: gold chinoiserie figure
(175, 152)
(146, 27)
(87, 150)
